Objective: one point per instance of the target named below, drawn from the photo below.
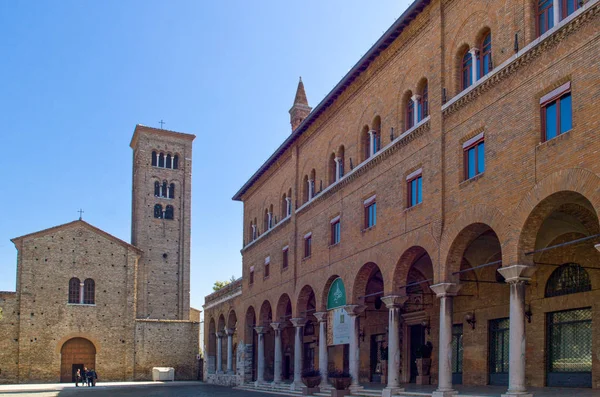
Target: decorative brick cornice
(532, 51)
(372, 162)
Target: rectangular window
(545, 19)
(335, 230)
(557, 116)
(415, 188)
(370, 212)
(251, 280)
(474, 156)
(567, 7)
(307, 245)
(284, 257)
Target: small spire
(300, 109)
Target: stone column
(219, 352)
(446, 293)
(260, 371)
(278, 353)
(337, 168)
(556, 11)
(81, 292)
(298, 324)
(323, 358)
(394, 304)
(288, 203)
(474, 52)
(415, 99)
(516, 276)
(311, 189)
(229, 332)
(354, 360)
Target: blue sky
(77, 76)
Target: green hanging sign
(336, 296)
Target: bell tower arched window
(172, 191)
(156, 189)
(169, 212)
(161, 160)
(154, 159)
(175, 162)
(169, 162)
(74, 290)
(569, 278)
(158, 211)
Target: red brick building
(450, 184)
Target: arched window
(423, 103)
(341, 153)
(305, 188)
(365, 142)
(172, 190)
(74, 290)
(266, 220)
(545, 16)
(154, 159)
(283, 206)
(169, 164)
(332, 168)
(485, 57)
(161, 160)
(467, 70)
(156, 189)
(89, 292)
(569, 278)
(175, 162)
(169, 212)
(376, 134)
(163, 192)
(158, 211)
(410, 113)
(312, 183)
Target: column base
(356, 388)
(517, 394)
(260, 383)
(390, 391)
(444, 393)
(296, 386)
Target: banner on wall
(341, 327)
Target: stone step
(282, 390)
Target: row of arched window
(269, 217)
(167, 213)
(163, 160)
(82, 293)
(164, 189)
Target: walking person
(84, 376)
(88, 375)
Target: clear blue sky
(77, 76)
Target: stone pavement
(126, 389)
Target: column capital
(393, 301)
(354, 310)
(474, 51)
(321, 316)
(219, 334)
(597, 246)
(371, 132)
(278, 326)
(415, 98)
(229, 331)
(298, 322)
(517, 273)
(260, 330)
(445, 289)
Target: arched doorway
(75, 354)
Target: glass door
(499, 351)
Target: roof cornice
(384, 41)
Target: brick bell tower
(161, 221)
(300, 108)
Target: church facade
(86, 298)
(434, 220)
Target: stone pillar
(288, 203)
(229, 332)
(323, 358)
(556, 11)
(446, 292)
(260, 370)
(219, 352)
(298, 324)
(337, 168)
(516, 276)
(311, 189)
(474, 52)
(394, 304)
(354, 360)
(415, 99)
(278, 369)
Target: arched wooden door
(76, 353)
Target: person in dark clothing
(88, 375)
(84, 376)
(94, 377)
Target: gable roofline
(78, 222)
(384, 41)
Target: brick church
(86, 298)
